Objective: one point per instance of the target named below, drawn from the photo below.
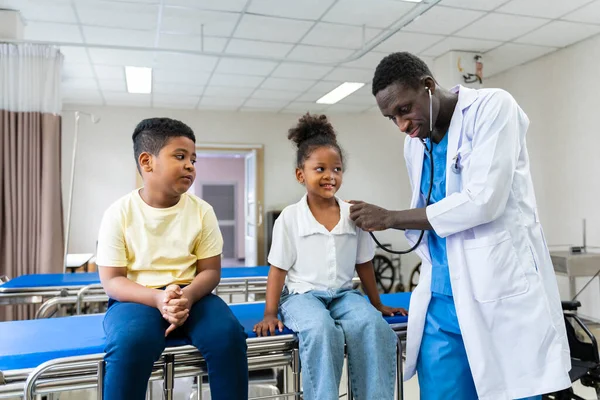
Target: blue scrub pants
(442, 367)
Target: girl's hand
(268, 324)
(391, 311)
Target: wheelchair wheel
(385, 273)
(414, 277)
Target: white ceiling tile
(354, 99)
(122, 57)
(184, 20)
(542, 8)
(139, 1)
(408, 41)
(79, 83)
(369, 61)
(305, 9)
(265, 104)
(485, 5)
(347, 108)
(117, 15)
(309, 97)
(229, 80)
(292, 70)
(589, 13)
(443, 20)
(336, 35)
(365, 91)
(302, 107)
(460, 44)
(185, 61)
(175, 89)
(271, 29)
(118, 37)
(503, 27)
(113, 85)
(240, 66)
(268, 94)
(74, 54)
(95, 101)
(287, 84)
(324, 87)
(191, 42)
(350, 75)
(223, 91)
(375, 13)
(219, 5)
(184, 77)
(318, 91)
(232, 102)
(52, 32)
(76, 94)
(559, 34)
(510, 55)
(255, 48)
(174, 101)
(72, 70)
(42, 10)
(109, 72)
(127, 99)
(319, 54)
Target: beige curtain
(31, 222)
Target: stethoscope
(456, 168)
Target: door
(222, 197)
(253, 210)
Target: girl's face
(322, 172)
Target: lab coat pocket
(494, 268)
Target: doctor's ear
(429, 84)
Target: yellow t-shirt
(159, 246)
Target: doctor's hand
(391, 311)
(369, 217)
(268, 325)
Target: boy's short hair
(152, 134)
(403, 67)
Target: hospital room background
(241, 72)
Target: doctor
(485, 321)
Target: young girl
(316, 249)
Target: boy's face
(322, 172)
(172, 171)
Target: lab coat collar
(308, 225)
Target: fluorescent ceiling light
(344, 90)
(139, 79)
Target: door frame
(260, 184)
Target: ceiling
(282, 55)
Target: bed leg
(169, 376)
(296, 373)
(100, 391)
(399, 370)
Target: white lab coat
(503, 282)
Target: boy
(161, 237)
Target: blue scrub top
(440, 275)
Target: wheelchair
(585, 360)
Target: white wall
(559, 93)
(105, 168)
(228, 170)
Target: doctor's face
(407, 107)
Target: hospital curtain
(31, 223)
